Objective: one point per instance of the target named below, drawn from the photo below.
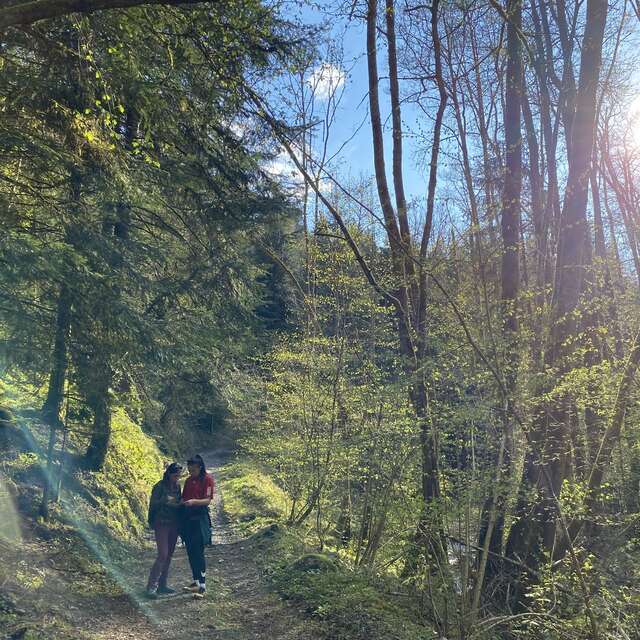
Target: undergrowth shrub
(252, 499)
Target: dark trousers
(194, 542)
(166, 537)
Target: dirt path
(238, 605)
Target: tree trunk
(547, 462)
(510, 285)
(100, 402)
(409, 292)
(55, 393)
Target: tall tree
(493, 529)
(547, 463)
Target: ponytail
(203, 467)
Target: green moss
(109, 503)
(314, 562)
(354, 604)
(252, 500)
(109, 507)
(18, 394)
(93, 532)
(121, 490)
(113, 500)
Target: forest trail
(238, 606)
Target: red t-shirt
(198, 488)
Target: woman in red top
(196, 496)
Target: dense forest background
(443, 386)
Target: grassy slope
(355, 605)
(252, 500)
(98, 522)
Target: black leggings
(195, 549)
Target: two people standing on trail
(173, 511)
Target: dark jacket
(164, 505)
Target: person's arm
(156, 496)
(197, 502)
(154, 503)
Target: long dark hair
(174, 467)
(203, 468)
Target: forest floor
(239, 604)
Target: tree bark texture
(27, 13)
(411, 287)
(100, 403)
(55, 392)
(494, 517)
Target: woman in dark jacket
(164, 513)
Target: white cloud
(239, 129)
(283, 168)
(326, 79)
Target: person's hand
(189, 503)
(171, 499)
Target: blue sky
(351, 132)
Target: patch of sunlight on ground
(111, 564)
(9, 519)
(95, 539)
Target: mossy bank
(93, 527)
